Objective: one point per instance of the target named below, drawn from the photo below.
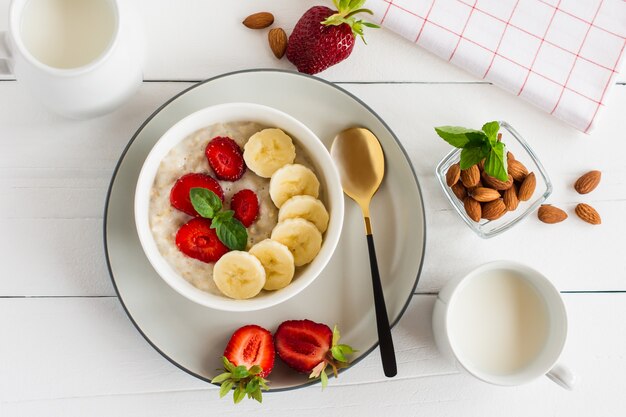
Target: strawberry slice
(226, 158)
(249, 346)
(310, 347)
(246, 206)
(303, 344)
(197, 240)
(179, 196)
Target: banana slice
(301, 237)
(268, 150)
(307, 208)
(277, 261)
(239, 275)
(290, 180)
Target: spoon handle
(387, 352)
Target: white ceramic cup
(545, 362)
(92, 89)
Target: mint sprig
(246, 382)
(477, 145)
(230, 231)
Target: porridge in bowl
(236, 208)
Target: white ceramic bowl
(235, 112)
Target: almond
(481, 165)
(459, 191)
(510, 157)
(259, 20)
(588, 213)
(588, 182)
(496, 184)
(510, 198)
(277, 39)
(470, 176)
(472, 208)
(527, 189)
(453, 174)
(517, 170)
(494, 209)
(550, 214)
(483, 194)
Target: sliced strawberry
(197, 240)
(246, 206)
(251, 345)
(179, 196)
(303, 344)
(226, 158)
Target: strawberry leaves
(336, 358)
(477, 145)
(346, 10)
(246, 382)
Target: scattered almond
(459, 191)
(588, 213)
(453, 175)
(551, 214)
(496, 184)
(483, 194)
(527, 189)
(481, 165)
(588, 182)
(510, 198)
(470, 176)
(277, 39)
(472, 208)
(259, 20)
(517, 170)
(493, 210)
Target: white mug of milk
(503, 323)
(80, 58)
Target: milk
(67, 33)
(499, 323)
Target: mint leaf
(232, 233)
(491, 130)
(472, 156)
(205, 201)
(459, 137)
(495, 164)
(221, 217)
(226, 386)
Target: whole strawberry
(324, 37)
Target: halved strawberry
(246, 206)
(307, 346)
(251, 345)
(226, 158)
(248, 359)
(179, 195)
(197, 240)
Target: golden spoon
(361, 164)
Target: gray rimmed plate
(193, 337)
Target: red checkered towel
(561, 55)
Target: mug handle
(563, 376)
(5, 55)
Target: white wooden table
(68, 349)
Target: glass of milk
(80, 58)
(503, 323)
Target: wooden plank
(82, 356)
(189, 42)
(68, 166)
